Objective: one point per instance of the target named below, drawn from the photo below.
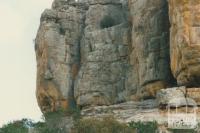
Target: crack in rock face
(106, 52)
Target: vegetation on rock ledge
(89, 125)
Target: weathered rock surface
(113, 57)
(58, 56)
(194, 93)
(185, 40)
(101, 52)
(182, 94)
(105, 52)
(150, 46)
(164, 96)
(125, 112)
(144, 111)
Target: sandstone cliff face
(184, 41)
(105, 52)
(58, 56)
(150, 46)
(82, 54)
(101, 52)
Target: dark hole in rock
(62, 31)
(107, 22)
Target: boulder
(164, 96)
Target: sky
(19, 21)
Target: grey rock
(150, 46)
(58, 57)
(88, 53)
(164, 96)
(104, 54)
(112, 57)
(144, 111)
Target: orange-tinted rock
(57, 50)
(194, 93)
(185, 41)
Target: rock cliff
(82, 54)
(102, 52)
(184, 41)
(111, 54)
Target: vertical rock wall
(103, 52)
(185, 40)
(58, 55)
(150, 46)
(82, 52)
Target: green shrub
(41, 127)
(53, 121)
(144, 127)
(106, 125)
(20, 126)
(90, 125)
(74, 112)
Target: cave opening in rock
(107, 22)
